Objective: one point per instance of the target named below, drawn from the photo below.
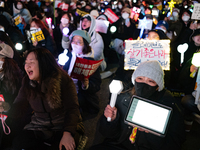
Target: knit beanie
(151, 69)
(81, 33)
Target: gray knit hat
(81, 33)
(151, 69)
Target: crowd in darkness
(42, 105)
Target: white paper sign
(102, 26)
(145, 24)
(138, 51)
(196, 11)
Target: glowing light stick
(113, 29)
(181, 49)
(144, 24)
(49, 20)
(171, 5)
(196, 62)
(18, 46)
(63, 58)
(115, 88)
(65, 31)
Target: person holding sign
(51, 93)
(148, 80)
(41, 36)
(86, 88)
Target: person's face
(32, 67)
(147, 12)
(47, 3)
(142, 79)
(78, 40)
(65, 16)
(88, 7)
(33, 24)
(55, 13)
(85, 24)
(196, 40)
(153, 36)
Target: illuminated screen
(148, 115)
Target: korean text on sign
(37, 35)
(138, 51)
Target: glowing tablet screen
(149, 115)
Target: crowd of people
(42, 105)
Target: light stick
(196, 62)
(171, 5)
(115, 88)
(181, 49)
(49, 20)
(63, 58)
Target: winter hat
(6, 51)
(87, 17)
(102, 17)
(151, 69)
(127, 10)
(81, 33)
(196, 32)
(163, 23)
(160, 33)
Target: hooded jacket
(96, 42)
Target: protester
(48, 42)
(60, 34)
(52, 95)
(20, 9)
(87, 88)
(148, 79)
(10, 80)
(88, 24)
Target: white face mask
(19, 6)
(64, 21)
(175, 13)
(125, 15)
(77, 49)
(33, 28)
(94, 4)
(185, 18)
(120, 6)
(1, 64)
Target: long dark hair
(47, 63)
(86, 49)
(12, 75)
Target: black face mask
(144, 90)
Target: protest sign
(102, 26)
(196, 12)
(138, 51)
(134, 11)
(56, 3)
(112, 17)
(37, 35)
(145, 24)
(63, 6)
(84, 68)
(17, 19)
(81, 13)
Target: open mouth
(30, 73)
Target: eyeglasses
(77, 42)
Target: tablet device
(148, 115)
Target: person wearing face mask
(125, 26)
(148, 80)
(120, 5)
(10, 81)
(60, 36)
(20, 9)
(88, 24)
(48, 42)
(86, 89)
